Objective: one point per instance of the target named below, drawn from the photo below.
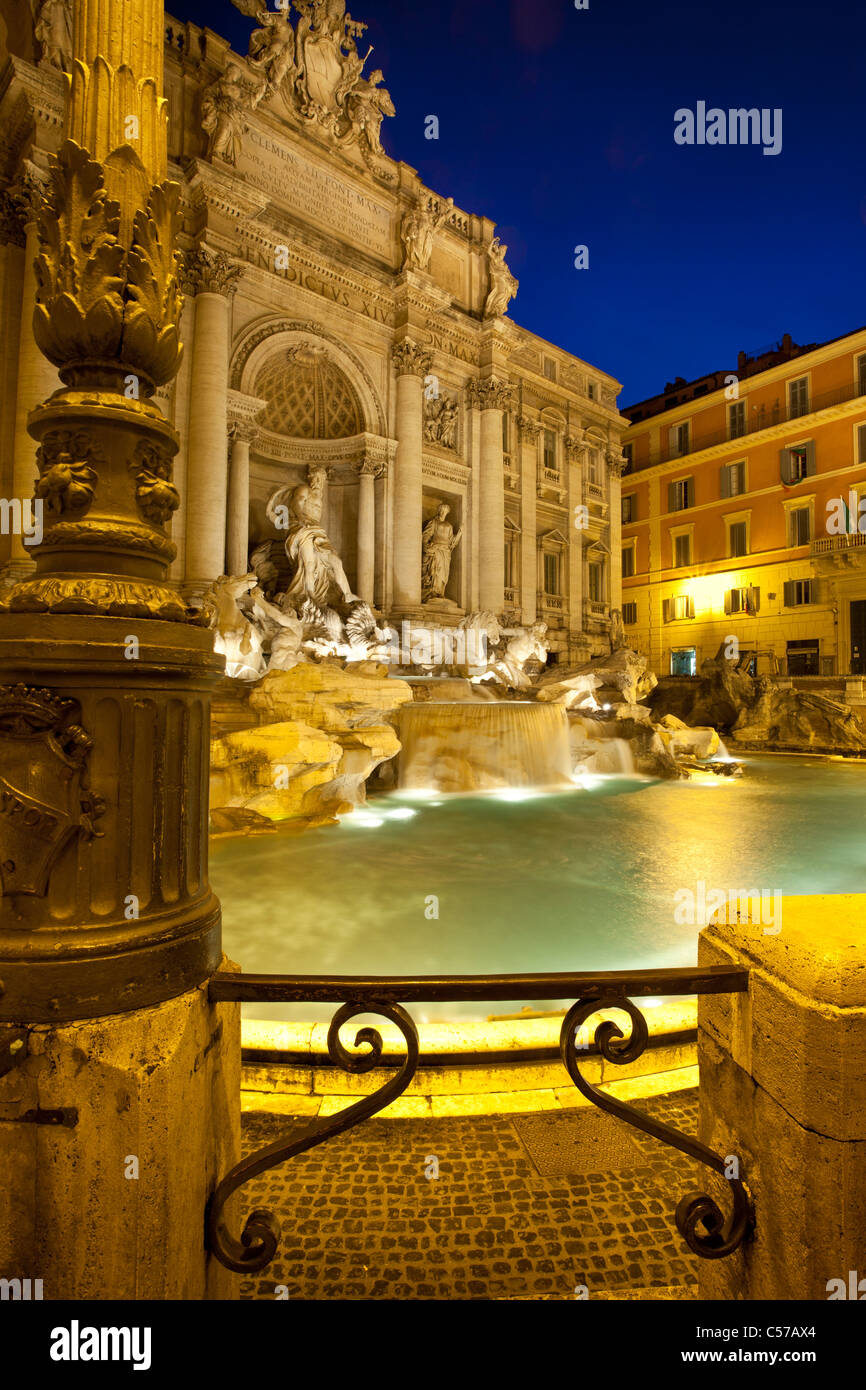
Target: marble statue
(417, 231)
(318, 572)
(527, 644)
(272, 48)
(617, 631)
(440, 421)
(368, 103)
(317, 68)
(224, 107)
(503, 285)
(237, 639)
(439, 540)
(279, 623)
(53, 30)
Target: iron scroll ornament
(721, 1239)
(261, 1234)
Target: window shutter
(690, 492)
(666, 610)
(729, 600)
(724, 481)
(754, 600)
(690, 607)
(811, 463)
(785, 466)
(789, 593)
(672, 497)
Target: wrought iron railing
(385, 998)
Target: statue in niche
(52, 21)
(417, 230)
(439, 541)
(318, 572)
(224, 106)
(440, 421)
(617, 631)
(335, 621)
(503, 285)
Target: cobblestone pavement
(517, 1209)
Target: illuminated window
(629, 614)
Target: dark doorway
(858, 637)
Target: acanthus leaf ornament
(150, 336)
(80, 266)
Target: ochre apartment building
(741, 513)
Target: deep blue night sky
(558, 124)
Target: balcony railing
(385, 998)
(758, 419)
(824, 545)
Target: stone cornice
(243, 412)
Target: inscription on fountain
(332, 202)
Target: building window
(629, 509)
(861, 443)
(732, 479)
(684, 662)
(590, 390)
(550, 369)
(596, 582)
(510, 566)
(804, 658)
(628, 561)
(550, 450)
(737, 420)
(799, 526)
(678, 440)
(797, 462)
(738, 539)
(551, 574)
(798, 397)
(861, 374)
(798, 592)
(679, 607)
(628, 454)
(681, 495)
(682, 550)
(743, 600)
(629, 614)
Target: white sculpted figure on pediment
(317, 69)
(503, 285)
(224, 108)
(418, 228)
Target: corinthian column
(212, 278)
(242, 436)
(109, 930)
(530, 432)
(37, 378)
(491, 397)
(411, 364)
(368, 471)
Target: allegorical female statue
(439, 540)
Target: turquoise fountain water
(583, 880)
